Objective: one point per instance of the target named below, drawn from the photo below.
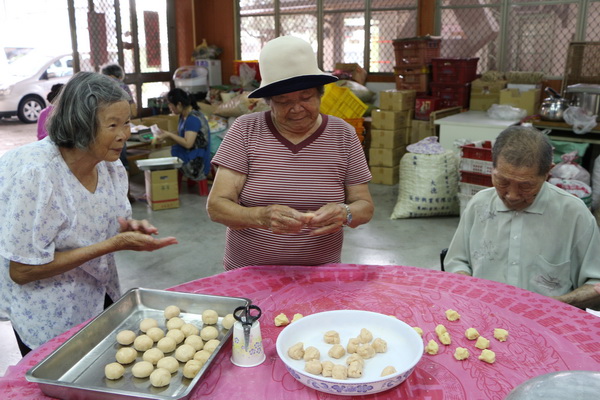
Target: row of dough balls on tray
(462, 353)
(191, 345)
(360, 348)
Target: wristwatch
(348, 214)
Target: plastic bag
(568, 169)
(576, 188)
(506, 112)
(240, 105)
(246, 77)
(580, 119)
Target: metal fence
(523, 35)
(340, 31)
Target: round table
(544, 334)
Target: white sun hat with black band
(288, 64)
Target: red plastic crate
(415, 78)
(475, 178)
(417, 50)
(425, 105)
(452, 94)
(454, 70)
(483, 152)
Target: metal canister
(586, 96)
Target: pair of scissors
(247, 315)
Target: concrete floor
(415, 242)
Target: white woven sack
(428, 186)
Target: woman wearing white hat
(289, 179)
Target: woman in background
(41, 124)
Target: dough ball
(160, 377)
(501, 334)
(210, 317)
(327, 368)
(189, 329)
(191, 368)
(172, 311)
(169, 363)
(142, 369)
(208, 333)
(202, 356)
(126, 337)
(379, 345)
(143, 343)
(389, 370)
(195, 341)
(126, 355)
(176, 334)
(366, 351)
(432, 347)
(281, 319)
(352, 345)
(155, 333)
(166, 344)
(452, 315)
(212, 345)
(175, 323)
(313, 367)
(297, 317)
(471, 334)
(355, 369)
(148, 323)
(331, 337)
(440, 330)
(365, 336)
(228, 321)
(312, 353)
(114, 371)
(153, 355)
(355, 358)
(339, 371)
(445, 338)
(482, 343)
(296, 352)
(185, 353)
(419, 331)
(488, 356)
(461, 353)
(337, 351)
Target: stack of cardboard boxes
(390, 133)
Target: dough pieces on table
(296, 352)
(461, 353)
(327, 368)
(432, 347)
(160, 377)
(366, 351)
(471, 334)
(114, 371)
(365, 336)
(501, 334)
(281, 319)
(482, 343)
(339, 371)
(352, 346)
(355, 369)
(452, 315)
(313, 367)
(488, 356)
(297, 317)
(337, 351)
(389, 370)
(311, 353)
(379, 345)
(331, 337)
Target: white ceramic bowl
(404, 350)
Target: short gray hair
(73, 120)
(524, 146)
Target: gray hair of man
(113, 70)
(524, 146)
(73, 121)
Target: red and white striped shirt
(303, 176)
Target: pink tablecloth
(544, 335)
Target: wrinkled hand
(328, 219)
(283, 219)
(136, 235)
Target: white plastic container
(192, 78)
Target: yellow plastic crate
(341, 102)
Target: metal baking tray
(75, 370)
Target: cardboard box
(166, 122)
(397, 100)
(385, 175)
(162, 190)
(486, 87)
(386, 157)
(528, 100)
(387, 139)
(484, 94)
(391, 120)
(420, 130)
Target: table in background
(471, 125)
(544, 334)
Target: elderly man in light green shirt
(527, 232)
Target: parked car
(27, 82)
